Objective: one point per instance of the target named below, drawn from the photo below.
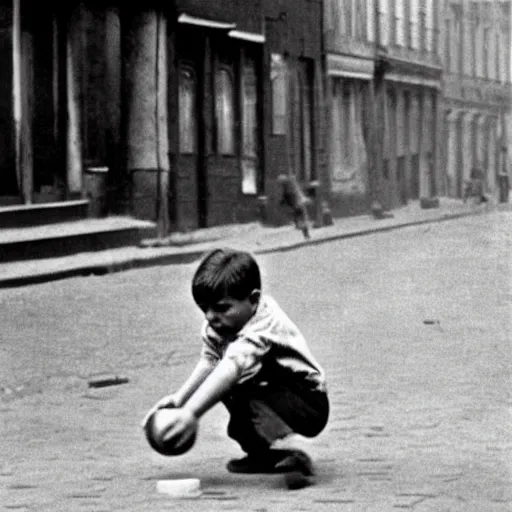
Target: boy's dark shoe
(268, 461)
(298, 468)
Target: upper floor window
(187, 110)
(278, 77)
(429, 26)
(414, 23)
(491, 49)
(359, 17)
(503, 55)
(497, 56)
(480, 56)
(370, 21)
(384, 21)
(448, 44)
(224, 112)
(400, 15)
(457, 44)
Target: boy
(255, 360)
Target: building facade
(410, 90)
(350, 56)
(383, 73)
(195, 108)
(477, 91)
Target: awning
(247, 36)
(204, 22)
(413, 80)
(349, 67)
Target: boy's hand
(168, 401)
(184, 425)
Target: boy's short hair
(225, 273)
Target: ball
(159, 423)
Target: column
(451, 154)
(467, 149)
(145, 110)
(436, 131)
(423, 133)
(74, 75)
(491, 171)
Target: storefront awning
(247, 36)
(413, 80)
(349, 67)
(204, 22)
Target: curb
(370, 231)
(104, 268)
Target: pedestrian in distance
(255, 361)
(294, 198)
(474, 187)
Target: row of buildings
(196, 107)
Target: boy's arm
(211, 391)
(198, 375)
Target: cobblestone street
(412, 326)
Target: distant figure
(294, 197)
(475, 186)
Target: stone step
(72, 237)
(25, 215)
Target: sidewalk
(253, 237)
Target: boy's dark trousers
(264, 410)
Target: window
(474, 45)
(447, 44)
(354, 12)
(497, 55)
(485, 51)
(187, 111)
(306, 107)
(429, 26)
(384, 22)
(348, 157)
(224, 112)
(370, 21)
(468, 46)
(414, 23)
(361, 14)
(503, 54)
(458, 53)
(400, 22)
(249, 128)
(278, 77)
(491, 54)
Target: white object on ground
(181, 488)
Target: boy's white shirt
(269, 328)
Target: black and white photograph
(256, 256)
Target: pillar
(451, 154)
(492, 170)
(467, 149)
(74, 75)
(145, 104)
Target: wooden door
(222, 172)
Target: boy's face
(229, 315)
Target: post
(161, 120)
(147, 156)
(74, 55)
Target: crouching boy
(256, 362)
